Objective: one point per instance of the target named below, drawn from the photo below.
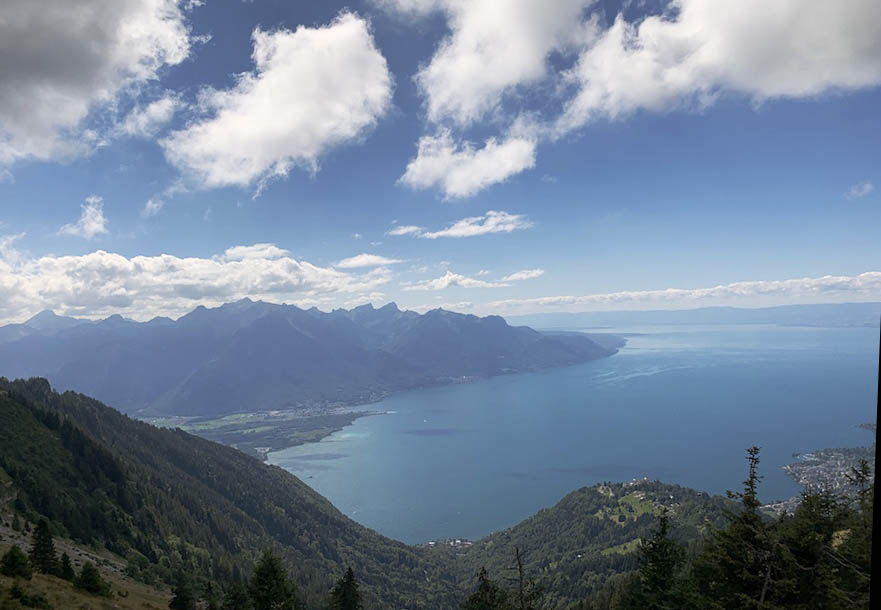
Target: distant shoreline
(260, 433)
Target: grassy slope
(592, 534)
(127, 593)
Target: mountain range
(252, 356)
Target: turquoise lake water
(678, 403)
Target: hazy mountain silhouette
(248, 355)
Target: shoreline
(259, 433)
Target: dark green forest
(224, 530)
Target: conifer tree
(66, 571)
(739, 566)
(209, 596)
(488, 596)
(270, 588)
(345, 595)
(89, 579)
(183, 597)
(15, 563)
(854, 553)
(43, 556)
(236, 597)
(661, 584)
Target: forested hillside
(169, 501)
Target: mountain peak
(115, 319)
(46, 314)
(49, 320)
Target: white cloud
(152, 207)
(460, 170)
(494, 68)
(829, 288)
(526, 274)
(483, 272)
(103, 283)
(404, 230)
(364, 299)
(63, 60)
(451, 279)
(92, 221)
(256, 251)
(860, 190)
(8, 251)
(311, 89)
(687, 57)
(366, 260)
(491, 222)
(145, 122)
(494, 46)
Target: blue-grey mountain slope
(249, 356)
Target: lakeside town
(824, 469)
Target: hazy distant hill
(254, 355)
(827, 314)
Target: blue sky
(573, 155)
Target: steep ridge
(249, 356)
(166, 500)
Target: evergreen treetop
(270, 588)
(43, 556)
(89, 579)
(345, 595)
(183, 597)
(15, 563)
(488, 596)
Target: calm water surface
(678, 403)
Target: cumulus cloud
(829, 288)
(449, 279)
(92, 221)
(366, 260)
(526, 274)
(495, 49)
(63, 60)
(102, 283)
(494, 46)
(860, 190)
(797, 48)
(311, 89)
(494, 67)
(461, 170)
(145, 122)
(491, 222)
(256, 251)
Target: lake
(678, 403)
